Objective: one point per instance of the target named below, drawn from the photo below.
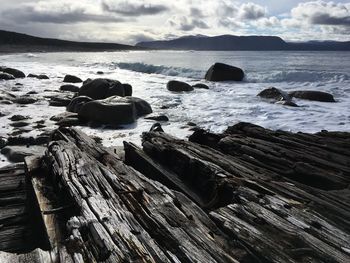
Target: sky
(132, 21)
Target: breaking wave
(297, 76)
(162, 70)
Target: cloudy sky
(131, 21)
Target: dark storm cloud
(327, 19)
(251, 11)
(192, 24)
(30, 14)
(129, 9)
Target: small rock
(313, 95)
(14, 72)
(60, 100)
(100, 72)
(200, 86)
(191, 124)
(69, 87)
(274, 93)
(156, 117)
(156, 128)
(72, 79)
(18, 118)
(19, 84)
(24, 100)
(63, 115)
(31, 92)
(19, 124)
(178, 86)
(43, 76)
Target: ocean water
(224, 104)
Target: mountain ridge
(231, 42)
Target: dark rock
(72, 79)
(274, 93)
(76, 103)
(19, 84)
(287, 103)
(99, 89)
(32, 75)
(313, 95)
(6, 76)
(63, 115)
(223, 72)
(69, 121)
(178, 86)
(112, 110)
(69, 87)
(156, 128)
(18, 118)
(31, 92)
(15, 89)
(24, 100)
(156, 117)
(4, 95)
(200, 86)
(6, 102)
(87, 81)
(43, 76)
(127, 89)
(39, 126)
(14, 72)
(60, 100)
(142, 106)
(18, 153)
(191, 124)
(100, 72)
(2, 142)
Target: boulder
(72, 79)
(77, 102)
(69, 87)
(14, 72)
(24, 100)
(178, 86)
(43, 76)
(99, 89)
(275, 94)
(69, 121)
(200, 86)
(157, 117)
(127, 89)
(223, 72)
(142, 106)
(63, 115)
(109, 111)
(18, 117)
(6, 76)
(18, 153)
(312, 95)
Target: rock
(72, 79)
(192, 124)
(77, 102)
(142, 106)
(6, 76)
(127, 89)
(287, 103)
(18, 118)
(69, 121)
(156, 128)
(156, 117)
(15, 89)
(32, 75)
(200, 86)
(31, 92)
(41, 76)
(100, 72)
(312, 95)
(109, 111)
(18, 124)
(24, 100)
(62, 100)
(178, 86)
(223, 72)
(69, 87)
(18, 153)
(99, 89)
(4, 95)
(14, 72)
(63, 115)
(6, 102)
(274, 93)
(18, 84)
(2, 142)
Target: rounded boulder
(224, 72)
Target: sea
(224, 104)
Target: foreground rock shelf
(247, 195)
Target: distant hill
(17, 42)
(229, 42)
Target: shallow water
(224, 104)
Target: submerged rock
(157, 117)
(313, 95)
(41, 76)
(99, 89)
(18, 117)
(24, 100)
(274, 93)
(14, 72)
(72, 79)
(200, 86)
(223, 72)
(178, 86)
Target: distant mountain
(17, 42)
(229, 42)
